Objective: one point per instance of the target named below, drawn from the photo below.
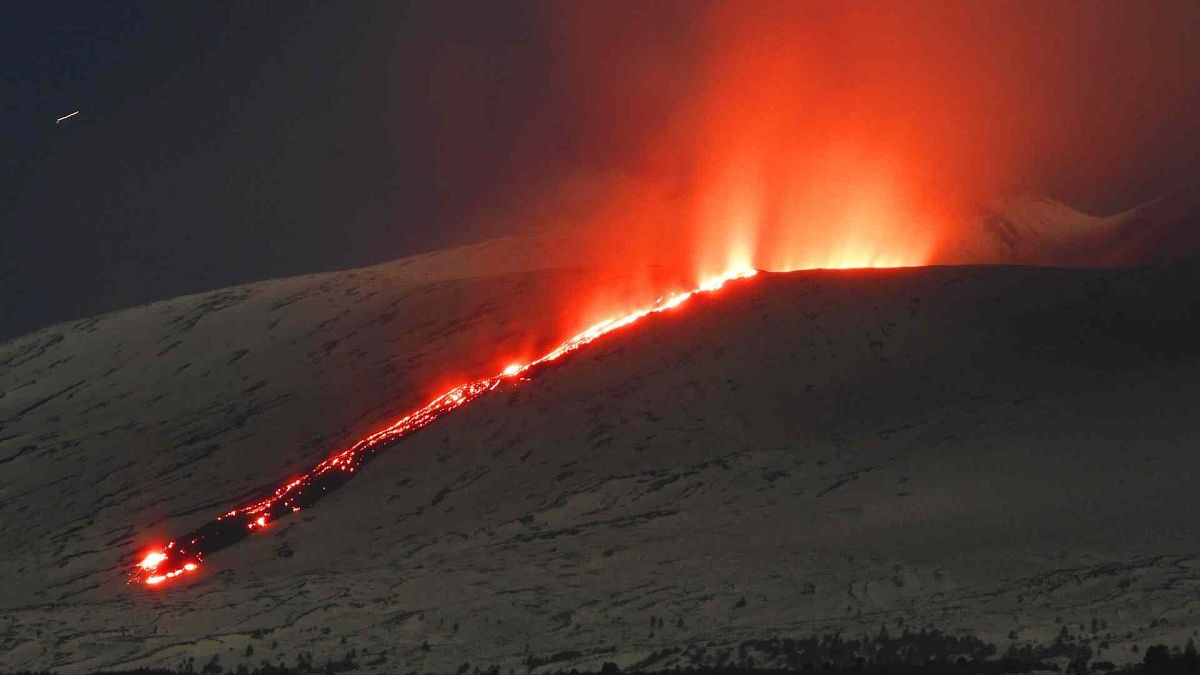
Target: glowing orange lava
(185, 554)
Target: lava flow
(185, 554)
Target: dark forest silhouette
(927, 652)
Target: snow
(978, 449)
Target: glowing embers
(165, 564)
(185, 554)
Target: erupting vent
(185, 554)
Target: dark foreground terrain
(926, 653)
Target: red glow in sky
(786, 136)
(783, 135)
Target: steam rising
(794, 135)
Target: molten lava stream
(185, 554)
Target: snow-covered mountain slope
(1040, 231)
(994, 450)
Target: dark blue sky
(220, 144)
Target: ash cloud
(226, 144)
(792, 135)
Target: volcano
(1039, 231)
(1002, 451)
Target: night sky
(220, 144)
